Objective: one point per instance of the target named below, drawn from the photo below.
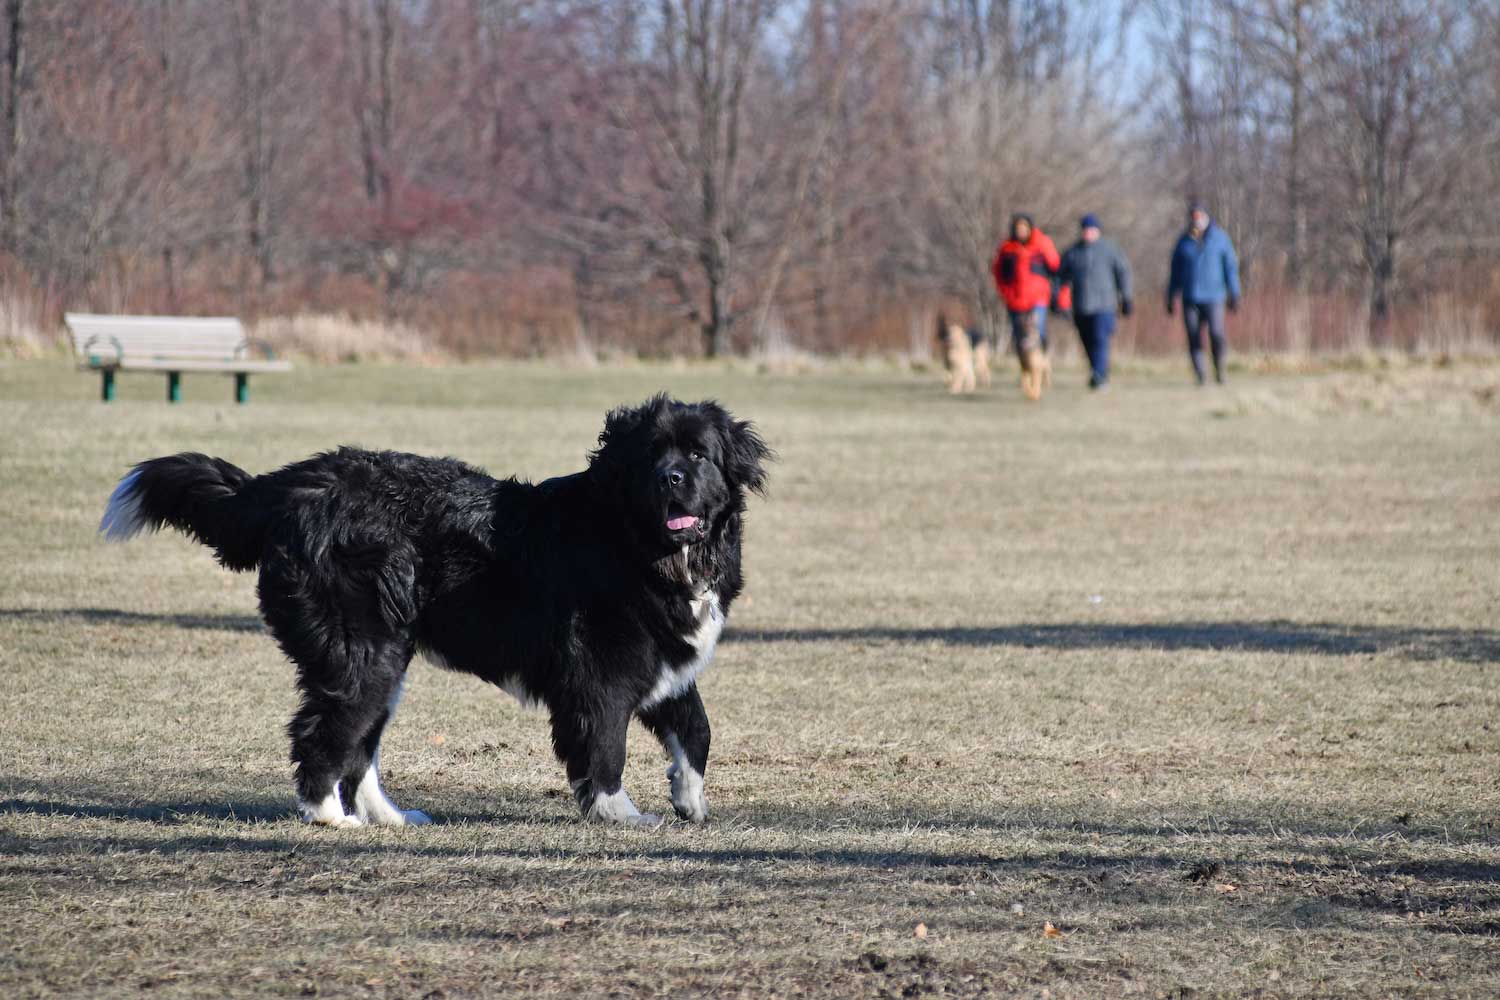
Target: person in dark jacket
(1206, 274)
(1099, 275)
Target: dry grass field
(1206, 681)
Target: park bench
(168, 344)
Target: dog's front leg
(681, 723)
(591, 744)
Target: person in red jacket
(1023, 270)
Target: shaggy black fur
(575, 592)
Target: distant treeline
(714, 176)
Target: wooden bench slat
(106, 347)
(100, 321)
(192, 365)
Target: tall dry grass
(330, 338)
(25, 331)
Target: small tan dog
(966, 358)
(1036, 373)
(1036, 370)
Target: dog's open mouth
(679, 519)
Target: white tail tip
(123, 519)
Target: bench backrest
(143, 338)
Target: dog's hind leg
(681, 723)
(343, 614)
(324, 735)
(350, 665)
(361, 783)
(591, 744)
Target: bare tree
(15, 53)
(257, 136)
(698, 121)
(1280, 39)
(1393, 73)
(1180, 26)
(369, 49)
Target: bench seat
(170, 344)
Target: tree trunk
(1381, 251)
(1296, 208)
(164, 149)
(169, 277)
(716, 328)
(10, 212)
(1187, 102)
(253, 81)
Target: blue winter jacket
(1205, 269)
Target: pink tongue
(678, 523)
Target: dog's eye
(695, 456)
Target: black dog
(600, 595)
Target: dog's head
(680, 469)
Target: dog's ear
(745, 454)
(621, 430)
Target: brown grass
(331, 338)
(1090, 662)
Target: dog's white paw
(391, 816)
(373, 806)
(329, 811)
(687, 793)
(618, 808)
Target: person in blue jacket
(1206, 275)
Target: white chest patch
(672, 681)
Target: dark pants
(1195, 316)
(1095, 329)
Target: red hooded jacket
(1023, 272)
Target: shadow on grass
(114, 616)
(1335, 829)
(1286, 877)
(188, 813)
(166, 813)
(1326, 860)
(1277, 636)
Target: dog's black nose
(671, 477)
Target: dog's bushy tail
(197, 495)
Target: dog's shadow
(89, 805)
(1273, 636)
(140, 619)
(1093, 849)
(1269, 636)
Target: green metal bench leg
(241, 387)
(107, 385)
(174, 387)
